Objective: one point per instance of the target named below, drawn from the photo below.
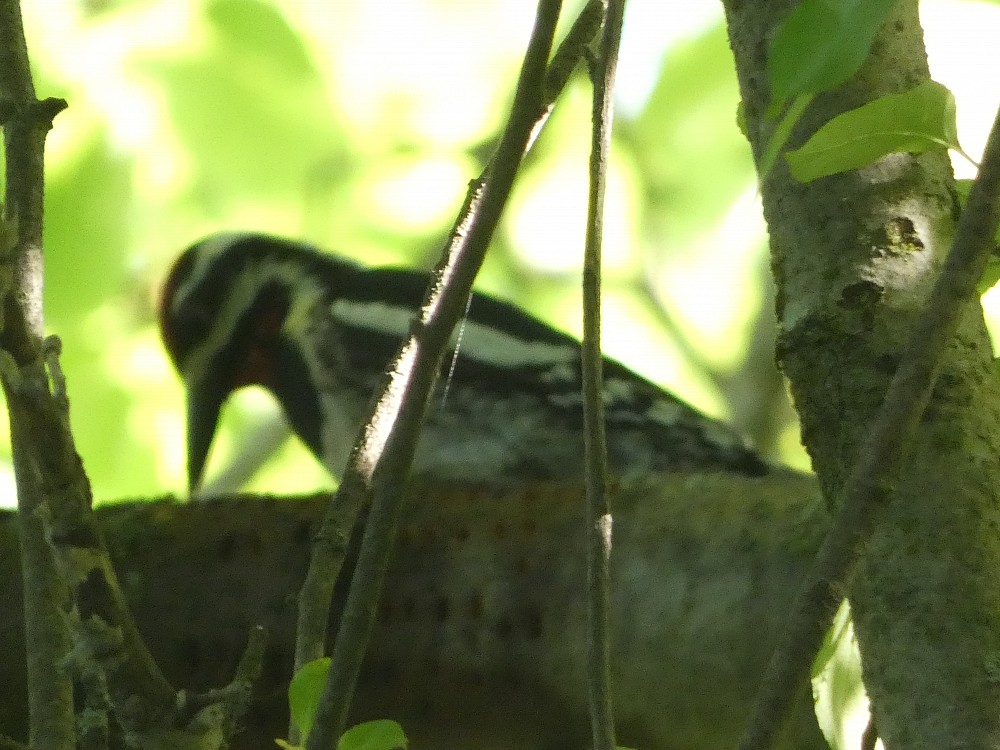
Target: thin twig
(599, 517)
(382, 461)
(330, 544)
(869, 488)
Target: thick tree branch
(479, 642)
(872, 483)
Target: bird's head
(222, 317)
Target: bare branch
(25, 124)
(599, 522)
(380, 461)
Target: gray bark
(854, 257)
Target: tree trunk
(854, 257)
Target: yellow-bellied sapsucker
(318, 331)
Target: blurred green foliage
(357, 125)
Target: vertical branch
(25, 124)
(599, 518)
(62, 550)
(331, 541)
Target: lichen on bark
(854, 258)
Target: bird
(318, 330)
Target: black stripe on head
(204, 276)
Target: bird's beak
(204, 402)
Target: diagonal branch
(380, 461)
(330, 544)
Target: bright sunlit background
(356, 125)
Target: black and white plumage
(317, 331)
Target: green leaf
(916, 120)
(821, 44)
(838, 693)
(303, 698)
(382, 734)
(304, 692)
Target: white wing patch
(482, 343)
